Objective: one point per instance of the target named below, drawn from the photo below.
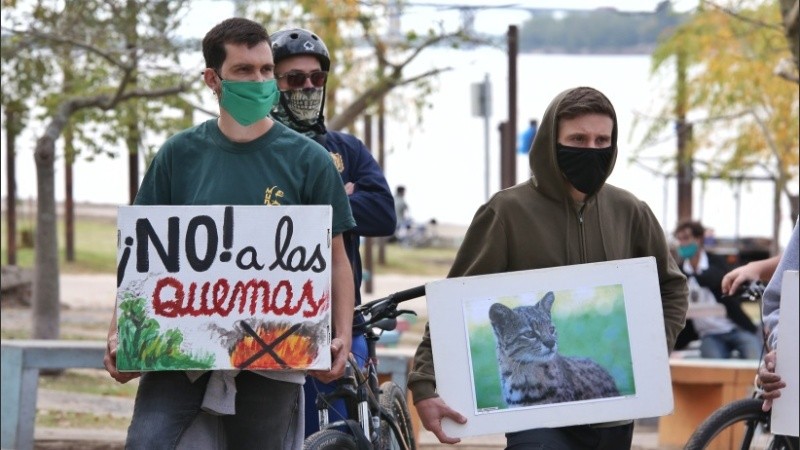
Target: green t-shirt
(200, 166)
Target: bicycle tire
(746, 412)
(330, 440)
(393, 401)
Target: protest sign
(223, 287)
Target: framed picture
(550, 347)
(223, 287)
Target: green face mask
(248, 101)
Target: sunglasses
(297, 80)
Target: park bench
(699, 387)
(22, 361)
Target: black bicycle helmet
(297, 41)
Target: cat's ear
(547, 301)
(500, 314)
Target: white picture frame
(224, 287)
(630, 295)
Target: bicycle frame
(360, 388)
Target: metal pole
(511, 126)
(486, 114)
(369, 265)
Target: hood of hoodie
(547, 176)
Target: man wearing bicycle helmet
(302, 63)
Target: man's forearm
(343, 292)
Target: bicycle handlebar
(386, 307)
(751, 291)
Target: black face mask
(585, 168)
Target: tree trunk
(133, 172)
(46, 296)
(69, 201)
(776, 216)
(11, 188)
(791, 24)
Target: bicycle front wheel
(330, 440)
(739, 425)
(393, 402)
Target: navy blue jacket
(371, 201)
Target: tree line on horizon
(599, 31)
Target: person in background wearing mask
(719, 336)
(302, 63)
(564, 214)
(241, 158)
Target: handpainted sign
(223, 287)
(550, 347)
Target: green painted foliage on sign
(142, 345)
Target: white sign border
(639, 279)
(785, 414)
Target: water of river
(441, 161)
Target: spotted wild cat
(532, 372)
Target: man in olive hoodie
(564, 214)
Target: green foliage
(95, 246)
(59, 51)
(746, 116)
(366, 79)
(142, 345)
(484, 368)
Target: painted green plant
(142, 345)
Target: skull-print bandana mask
(304, 104)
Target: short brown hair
(584, 100)
(696, 228)
(236, 30)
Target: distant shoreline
(26, 211)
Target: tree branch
(110, 57)
(372, 95)
(741, 17)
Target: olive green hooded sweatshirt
(536, 224)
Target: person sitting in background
(404, 221)
(719, 336)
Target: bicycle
(384, 420)
(741, 422)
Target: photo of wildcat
(535, 364)
(532, 371)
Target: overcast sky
(493, 17)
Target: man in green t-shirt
(241, 158)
